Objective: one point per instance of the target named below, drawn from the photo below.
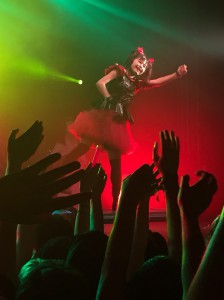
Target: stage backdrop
(48, 46)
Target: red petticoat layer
(101, 129)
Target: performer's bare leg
(115, 176)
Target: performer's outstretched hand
(181, 70)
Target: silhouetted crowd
(46, 254)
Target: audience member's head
(50, 279)
(159, 278)
(7, 288)
(52, 227)
(156, 245)
(55, 248)
(87, 254)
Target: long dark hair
(139, 53)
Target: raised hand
(135, 188)
(167, 163)
(141, 184)
(195, 199)
(89, 178)
(96, 215)
(93, 179)
(20, 149)
(30, 192)
(100, 183)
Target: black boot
(115, 177)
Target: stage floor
(157, 222)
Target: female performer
(108, 123)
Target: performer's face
(139, 65)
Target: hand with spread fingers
(168, 162)
(90, 214)
(21, 148)
(89, 178)
(100, 183)
(140, 184)
(31, 192)
(195, 199)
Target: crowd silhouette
(46, 256)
